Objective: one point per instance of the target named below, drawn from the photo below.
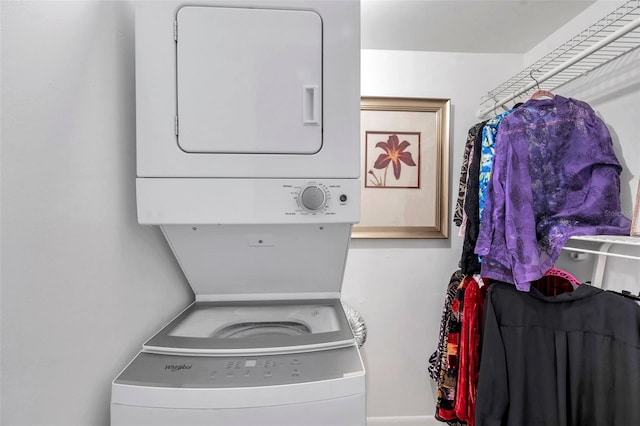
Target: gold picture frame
(635, 221)
(405, 168)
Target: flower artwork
(405, 168)
(392, 160)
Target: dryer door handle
(311, 107)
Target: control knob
(313, 198)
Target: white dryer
(248, 159)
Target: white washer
(248, 155)
(266, 342)
(246, 363)
(185, 390)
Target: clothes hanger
(495, 105)
(540, 92)
(552, 286)
(518, 102)
(555, 281)
(556, 272)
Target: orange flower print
(394, 154)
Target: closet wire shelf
(606, 242)
(613, 36)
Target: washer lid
(259, 327)
(249, 81)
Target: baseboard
(403, 421)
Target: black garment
(566, 360)
(469, 263)
(464, 171)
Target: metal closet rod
(595, 47)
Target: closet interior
(521, 341)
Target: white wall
(83, 285)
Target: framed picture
(405, 168)
(635, 221)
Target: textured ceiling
(483, 26)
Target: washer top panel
(172, 371)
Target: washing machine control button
(313, 198)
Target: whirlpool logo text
(173, 367)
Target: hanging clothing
(469, 263)
(464, 173)
(448, 381)
(566, 360)
(435, 360)
(555, 175)
(487, 152)
(455, 365)
(439, 361)
(469, 348)
(463, 226)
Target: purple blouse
(555, 175)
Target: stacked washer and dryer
(248, 153)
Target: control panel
(318, 198)
(235, 369)
(248, 201)
(241, 371)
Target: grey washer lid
(339, 335)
